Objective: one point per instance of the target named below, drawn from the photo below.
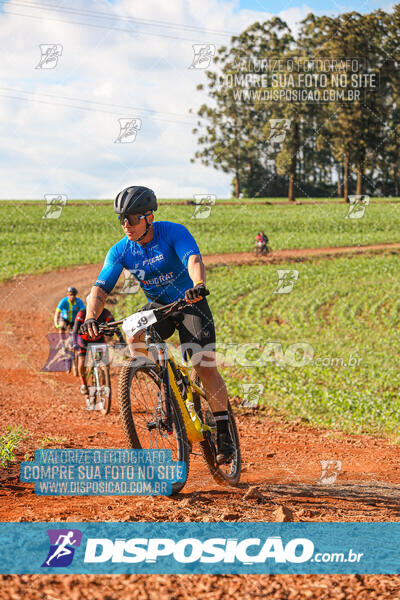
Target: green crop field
(346, 310)
(84, 232)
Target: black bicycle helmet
(72, 289)
(135, 199)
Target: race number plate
(138, 321)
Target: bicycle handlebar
(177, 305)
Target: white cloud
(50, 147)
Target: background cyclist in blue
(66, 311)
(165, 259)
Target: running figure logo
(203, 54)
(286, 280)
(131, 285)
(60, 552)
(357, 206)
(330, 469)
(50, 53)
(54, 205)
(60, 357)
(251, 394)
(128, 129)
(203, 202)
(279, 128)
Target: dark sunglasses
(132, 219)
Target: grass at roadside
(84, 233)
(347, 312)
(13, 439)
(53, 441)
(10, 441)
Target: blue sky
(317, 6)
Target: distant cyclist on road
(66, 311)
(165, 259)
(261, 242)
(82, 340)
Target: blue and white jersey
(160, 266)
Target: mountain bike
(98, 379)
(261, 249)
(163, 405)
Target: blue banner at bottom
(212, 548)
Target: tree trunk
(237, 185)
(339, 181)
(346, 178)
(359, 181)
(237, 179)
(291, 193)
(293, 164)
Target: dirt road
(282, 460)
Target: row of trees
(335, 147)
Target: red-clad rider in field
(261, 239)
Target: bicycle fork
(164, 416)
(193, 425)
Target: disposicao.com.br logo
(212, 550)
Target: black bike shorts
(195, 325)
(64, 324)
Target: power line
(87, 108)
(109, 104)
(41, 18)
(105, 15)
(108, 27)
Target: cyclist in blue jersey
(66, 311)
(165, 259)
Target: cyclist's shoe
(84, 389)
(226, 449)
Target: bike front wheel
(102, 392)
(148, 422)
(75, 363)
(227, 473)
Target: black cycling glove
(195, 293)
(90, 327)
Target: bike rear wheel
(144, 414)
(228, 473)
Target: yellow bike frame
(194, 426)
